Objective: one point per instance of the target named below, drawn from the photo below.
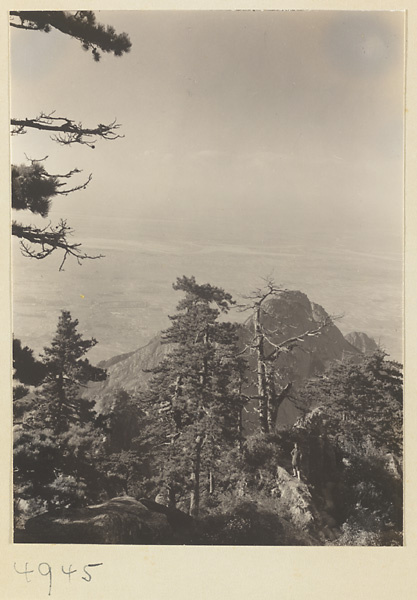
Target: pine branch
(40, 243)
(67, 131)
(80, 25)
(43, 174)
(77, 188)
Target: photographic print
(207, 265)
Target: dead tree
(267, 352)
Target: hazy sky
(247, 128)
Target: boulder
(297, 499)
(181, 523)
(119, 521)
(394, 466)
(303, 510)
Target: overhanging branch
(39, 243)
(66, 131)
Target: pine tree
(195, 391)
(27, 371)
(127, 447)
(353, 435)
(363, 400)
(58, 439)
(60, 401)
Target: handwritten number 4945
(45, 570)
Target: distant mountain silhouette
(362, 342)
(290, 314)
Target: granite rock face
(362, 342)
(296, 495)
(289, 315)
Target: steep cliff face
(292, 314)
(289, 315)
(128, 371)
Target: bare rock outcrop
(296, 497)
(119, 521)
(362, 342)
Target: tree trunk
(211, 482)
(275, 402)
(172, 503)
(240, 414)
(262, 387)
(195, 480)
(60, 418)
(272, 409)
(204, 372)
(240, 430)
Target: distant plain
(124, 298)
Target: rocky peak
(362, 342)
(289, 315)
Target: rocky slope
(121, 520)
(124, 520)
(127, 371)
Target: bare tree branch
(39, 243)
(82, 186)
(57, 175)
(259, 295)
(66, 131)
(36, 160)
(288, 343)
(266, 350)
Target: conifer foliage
(81, 25)
(363, 399)
(195, 391)
(60, 400)
(180, 439)
(58, 437)
(26, 369)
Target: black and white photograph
(208, 277)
